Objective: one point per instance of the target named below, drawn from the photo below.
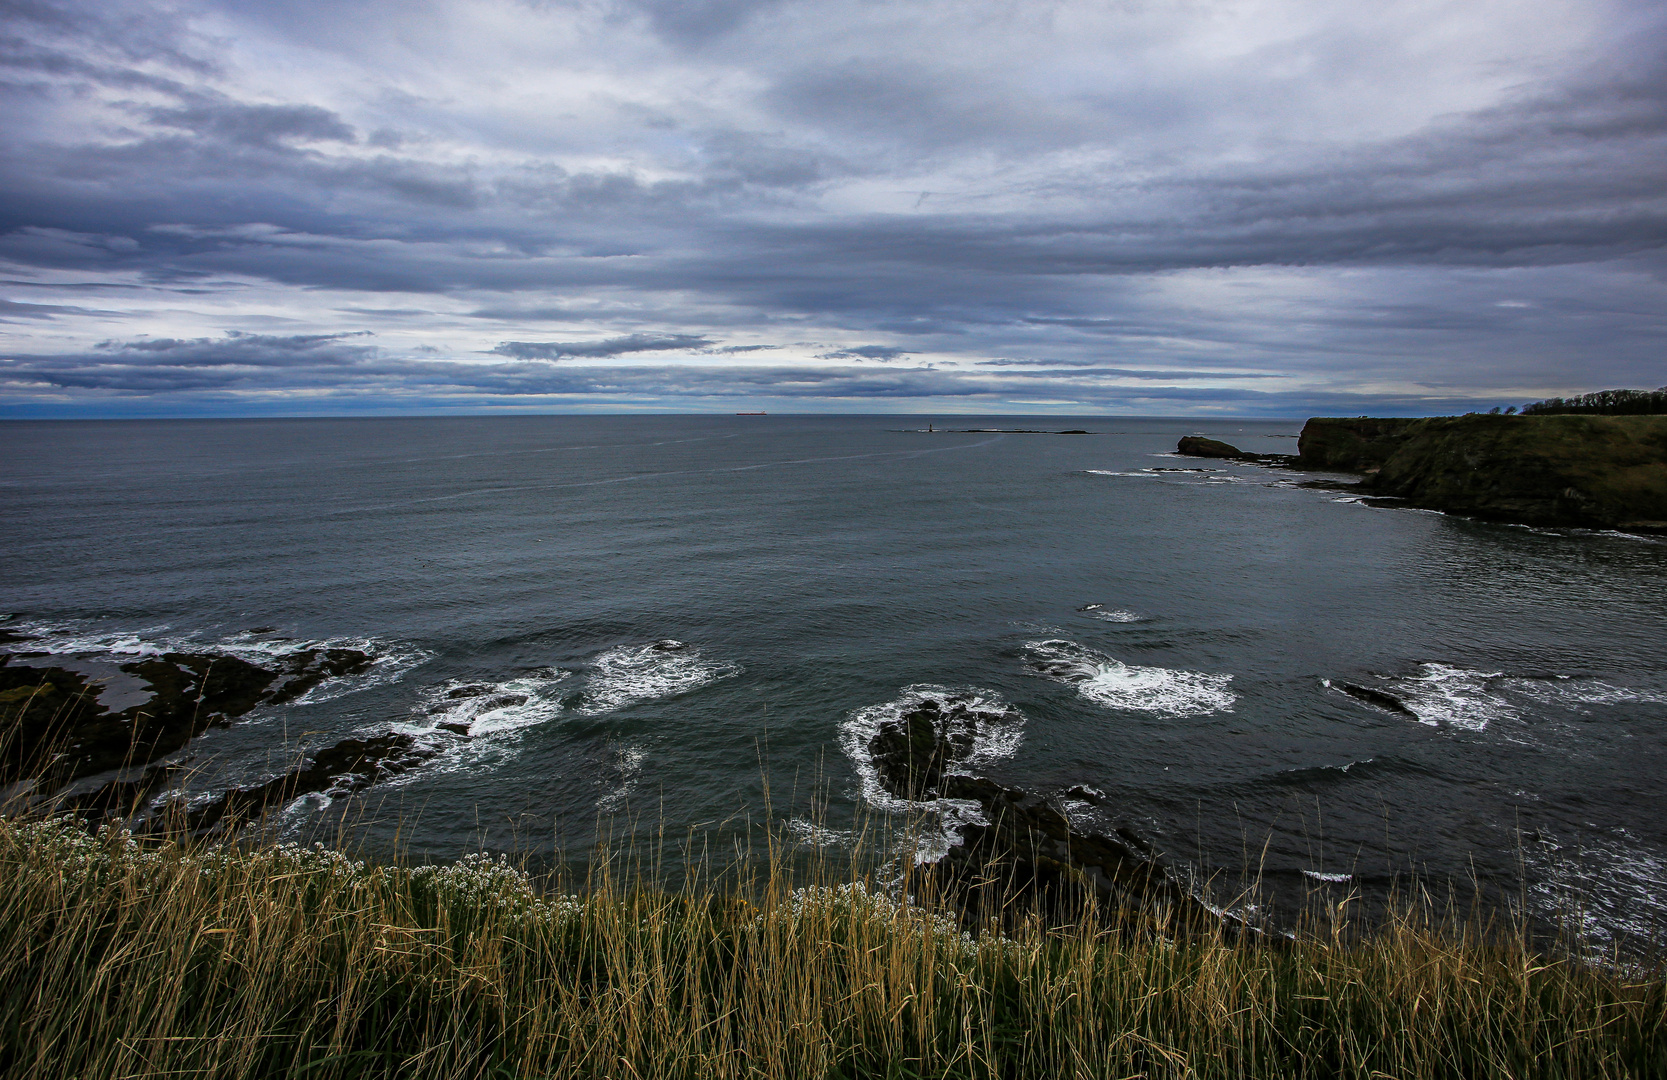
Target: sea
(687, 626)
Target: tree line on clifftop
(1603, 402)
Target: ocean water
(644, 622)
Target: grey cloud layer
(604, 181)
(220, 372)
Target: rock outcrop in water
(1025, 856)
(1199, 446)
(54, 731)
(1575, 470)
(913, 752)
(348, 766)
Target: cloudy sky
(1174, 207)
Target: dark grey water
(817, 568)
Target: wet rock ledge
(1025, 856)
(55, 734)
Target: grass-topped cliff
(121, 958)
(1585, 470)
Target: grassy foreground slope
(122, 960)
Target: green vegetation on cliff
(136, 960)
(1605, 403)
(1584, 470)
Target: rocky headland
(1590, 471)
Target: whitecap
(1607, 886)
(1117, 616)
(631, 673)
(1444, 695)
(1319, 875)
(1572, 692)
(479, 709)
(1116, 685)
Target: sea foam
(632, 673)
(1116, 685)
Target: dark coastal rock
(1376, 697)
(1557, 470)
(57, 732)
(1027, 857)
(307, 668)
(1199, 446)
(348, 766)
(40, 708)
(913, 751)
(53, 731)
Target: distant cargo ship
(752, 414)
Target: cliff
(1593, 471)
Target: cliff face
(1596, 471)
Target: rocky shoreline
(1018, 852)
(1600, 472)
(56, 737)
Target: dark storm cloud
(236, 349)
(254, 125)
(964, 181)
(566, 350)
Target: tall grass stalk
(127, 959)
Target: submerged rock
(1379, 698)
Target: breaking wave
(631, 673)
(1116, 685)
(1111, 615)
(1442, 695)
(478, 709)
(621, 777)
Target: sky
(1258, 208)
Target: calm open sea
(1174, 639)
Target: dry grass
(121, 959)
